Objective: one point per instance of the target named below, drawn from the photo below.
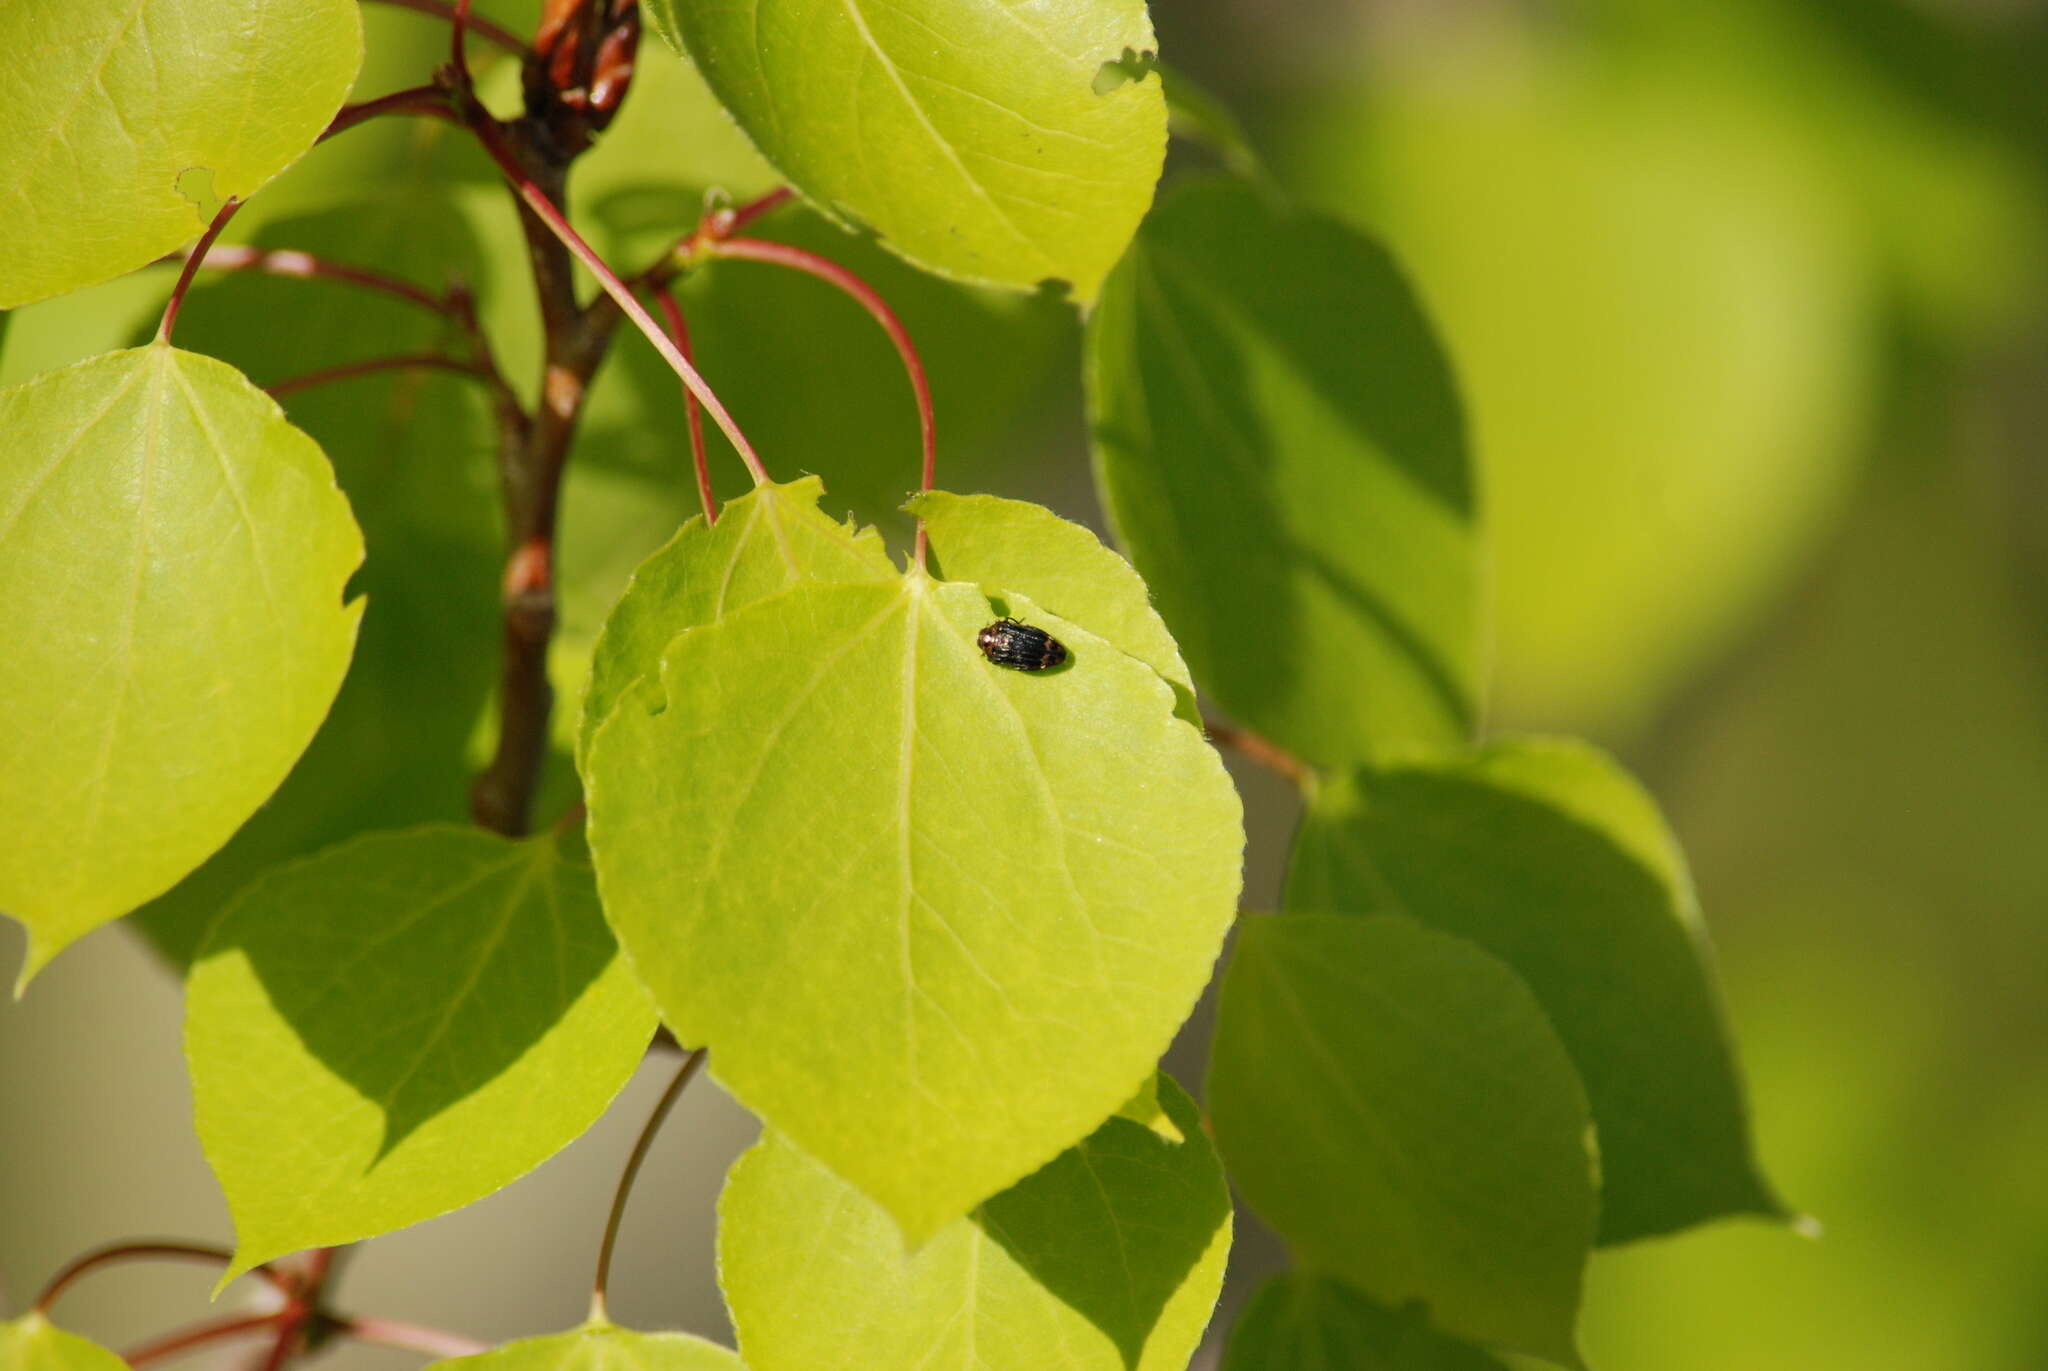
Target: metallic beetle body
(1020, 646)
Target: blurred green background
(1750, 303)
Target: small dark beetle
(1009, 643)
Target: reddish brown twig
(1255, 748)
(430, 101)
(142, 1251)
(370, 366)
(198, 1335)
(481, 27)
(679, 331)
(199, 251)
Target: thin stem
(544, 210)
(481, 27)
(679, 330)
(733, 220)
(412, 1337)
(1267, 754)
(199, 251)
(830, 272)
(632, 1172)
(428, 100)
(198, 1335)
(370, 366)
(458, 57)
(304, 266)
(137, 1251)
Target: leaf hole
(1132, 67)
(196, 185)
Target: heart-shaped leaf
(1550, 857)
(178, 552)
(981, 140)
(1392, 1100)
(443, 1009)
(934, 918)
(1282, 454)
(1107, 1259)
(123, 126)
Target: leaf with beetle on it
(182, 551)
(935, 919)
(1107, 1259)
(1013, 545)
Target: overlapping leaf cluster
(935, 921)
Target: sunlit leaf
(764, 543)
(934, 918)
(172, 556)
(1107, 1259)
(122, 127)
(1392, 1101)
(399, 1025)
(983, 140)
(602, 1347)
(1282, 455)
(32, 1343)
(1014, 545)
(1304, 1322)
(1551, 858)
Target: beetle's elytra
(1020, 646)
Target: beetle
(1020, 646)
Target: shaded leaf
(933, 917)
(1012, 545)
(602, 1347)
(32, 1343)
(765, 542)
(1550, 857)
(977, 138)
(122, 127)
(411, 452)
(1393, 1102)
(1281, 452)
(1304, 1322)
(1109, 1257)
(179, 550)
(443, 1009)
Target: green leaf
(981, 140)
(32, 1343)
(765, 542)
(1303, 1322)
(1550, 857)
(934, 918)
(400, 1025)
(1107, 1259)
(122, 127)
(603, 1347)
(1281, 452)
(1392, 1101)
(1011, 545)
(179, 552)
(412, 452)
